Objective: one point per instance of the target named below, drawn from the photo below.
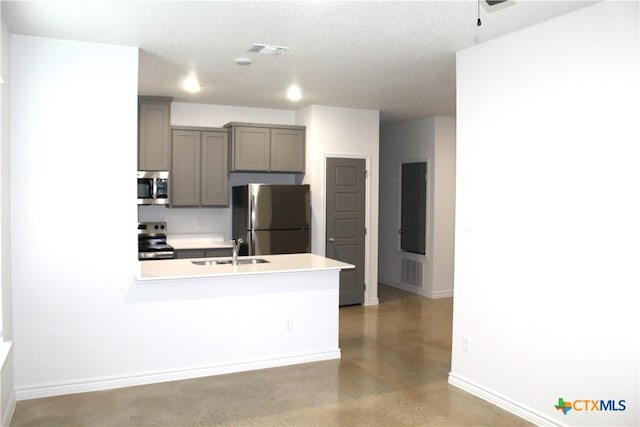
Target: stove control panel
(152, 228)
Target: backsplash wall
(211, 221)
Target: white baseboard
(501, 401)
(418, 290)
(6, 373)
(409, 288)
(11, 407)
(97, 384)
(372, 301)
(440, 294)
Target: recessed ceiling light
(243, 61)
(191, 84)
(294, 93)
(268, 49)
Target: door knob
(331, 240)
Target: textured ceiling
(396, 57)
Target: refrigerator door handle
(252, 214)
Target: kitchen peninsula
(222, 267)
(281, 311)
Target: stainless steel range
(152, 241)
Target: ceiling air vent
(265, 49)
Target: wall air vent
(411, 272)
(265, 49)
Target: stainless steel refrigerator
(272, 219)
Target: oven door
(150, 247)
(156, 255)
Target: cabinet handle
(331, 240)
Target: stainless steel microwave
(153, 187)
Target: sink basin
(252, 261)
(241, 261)
(212, 262)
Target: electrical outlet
(466, 344)
(288, 323)
(198, 221)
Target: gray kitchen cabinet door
(189, 253)
(218, 252)
(185, 168)
(251, 149)
(214, 169)
(203, 253)
(153, 133)
(287, 150)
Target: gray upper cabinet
(153, 133)
(185, 168)
(199, 172)
(251, 147)
(267, 148)
(214, 169)
(287, 150)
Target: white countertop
(278, 264)
(197, 241)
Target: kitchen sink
(212, 262)
(241, 261)
(252, 261)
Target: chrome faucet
(236, 248)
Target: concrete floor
(393, 372)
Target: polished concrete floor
(393, 372)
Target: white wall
(547, 216)
(81, 320)
(208, 115)
(432, 140)
(73, 153)
(5, 180)
(7, 396)
(443, 207)
(343, 132)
